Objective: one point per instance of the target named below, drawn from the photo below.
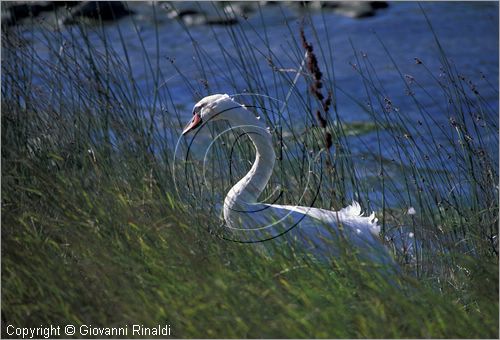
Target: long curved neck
(249, 188)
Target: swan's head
(214, 107)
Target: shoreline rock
(190, 12)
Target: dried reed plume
(316, 86)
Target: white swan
(312, 227)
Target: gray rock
(98, 10)
(354, 9)
(14, 12)
(199, 13)
(351, 9)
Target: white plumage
(315, 229)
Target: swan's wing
(320, 227)
(316, 230)
(350, 217)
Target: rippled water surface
(467, 32)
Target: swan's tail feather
(372, 218)
(354, 211)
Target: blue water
(467, 32)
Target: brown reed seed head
(317, 85)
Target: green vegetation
(94, 231)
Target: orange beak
(193, 124)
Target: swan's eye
(197, 109)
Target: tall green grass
(96, 231)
